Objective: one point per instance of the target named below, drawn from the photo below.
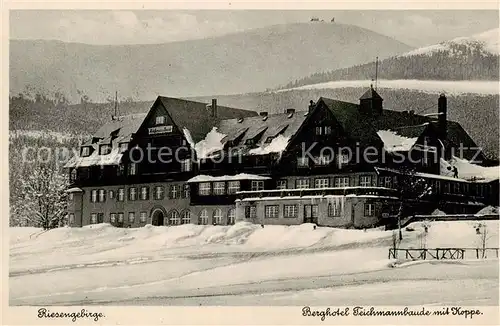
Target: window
(310, 211)
(186, 217)
(132, 193)
(231, 216)
(365, 181)
(104, 149)
(142, 217)
(302, 162)
(93, 218)
(186, 191)
(73, 174)
(132, 169)
(333, 209)
(203, 220)
(100, 217)
(319, 131)
(271, 211)
(120, 217)
(174, 192)
(437, 186)
(121, 194)
(269, 139)
(387, 182)
(321, 183)
(120, 170)
(290, 211)
(112, 217)
(131, 217)
(186, 165)
(369, 209)
(328, 130)
(250, 212)
(71, 218)
(159, 193)
(233, 187)
(174, 218)
(111, 194)
(480, 190)
(144, 193)
(217, 218)
(323, 160)
(257, 185)
(160, 119)
(281, 184)
(302, 183)
(102, 195)
(93, 196)
(123, 147)
(70, 196)
(341, 182)
(456, 187)
(204, 189)
(219, 188)
(85, 151)
(343, 159)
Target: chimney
(311, 105)
(214, 107)
(263, 114)
(442, 124)
(290, 111)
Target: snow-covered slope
(485, 43)
(196, 264)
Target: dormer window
(250, 141)
(160, 120)
(123, 147)
(85, 151)
(104, 149)
(269, 139)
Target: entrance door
(311, 214)
(158, 217)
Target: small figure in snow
(455, 172)
(262, 225)
(314, 227)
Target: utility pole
(116, 104)
(376, 72)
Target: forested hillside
(473, 58)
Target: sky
(415, 28)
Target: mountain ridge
(247, 61)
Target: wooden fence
(441, 253)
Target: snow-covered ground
(428, 86)
(246, 264)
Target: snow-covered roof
(237, 177)
(394, 142)
(468, 171)
(210, 144)
(277, 145)
(74, 189)
(315, 197)
(113, 158)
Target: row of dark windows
(140, 193)
(173, 217)
(334, 209)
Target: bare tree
(42, 201)
(411, 189)
(482, 232)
